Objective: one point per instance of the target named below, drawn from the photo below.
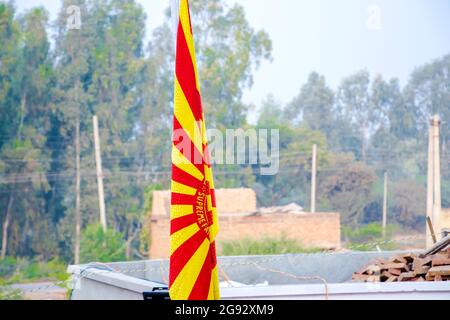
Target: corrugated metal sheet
(128, 281)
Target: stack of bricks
(408, 267)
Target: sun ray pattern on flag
(193, 264)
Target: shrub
(22, 270)
(54, 269)
(99, 246)
(6, 293)
(266, 246)
(368, 237)
(364, 233)
(7, 267)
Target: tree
(228, 52)
(117, 64)
(402, 117)
(354, 100)
(346, 189)
(394, 143)
(292, 181)
(24, 154)
(72, 98)
(101, 75)
(100, 246)
(408, 204)
(9, 51)
(9, 54)
(314, 106)
(428, 92)
(154, 120)
(48, 96)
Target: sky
(334, 38)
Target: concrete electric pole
(385, 202)
(434, 179)
(313, 179)
(98, 162)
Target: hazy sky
(335, 38)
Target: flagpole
(175, 10)
(193, 271)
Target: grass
(265, 246)
(6, 293)
(368, 237)
(14, 270)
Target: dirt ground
(41, 291)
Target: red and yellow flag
(194, 226)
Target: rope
(162, 270)
(302, 278)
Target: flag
(193, 271)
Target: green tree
(408, 204)
(292, 181)
(9, 55)
(24, 154)
(354, 100)
(314, 106)
(229, 50)
(346, 188)
(401, 116)
(71, 102)
(394, 143)
(100, 246)
(428, 92)
(117, 64)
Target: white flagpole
(175, 11)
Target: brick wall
(228, 201)
(318, 230)
(445, 219)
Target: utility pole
(430, 174)
(385, 203)
(78, 188)
(98, 162)
(313, 179)
(6, 226)
(433, 180)
(435, 122)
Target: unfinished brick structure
(445, 218)
(239, 218)
(228, 201)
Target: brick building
(445, 219)
(240, 218)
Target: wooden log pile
(407, 267)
